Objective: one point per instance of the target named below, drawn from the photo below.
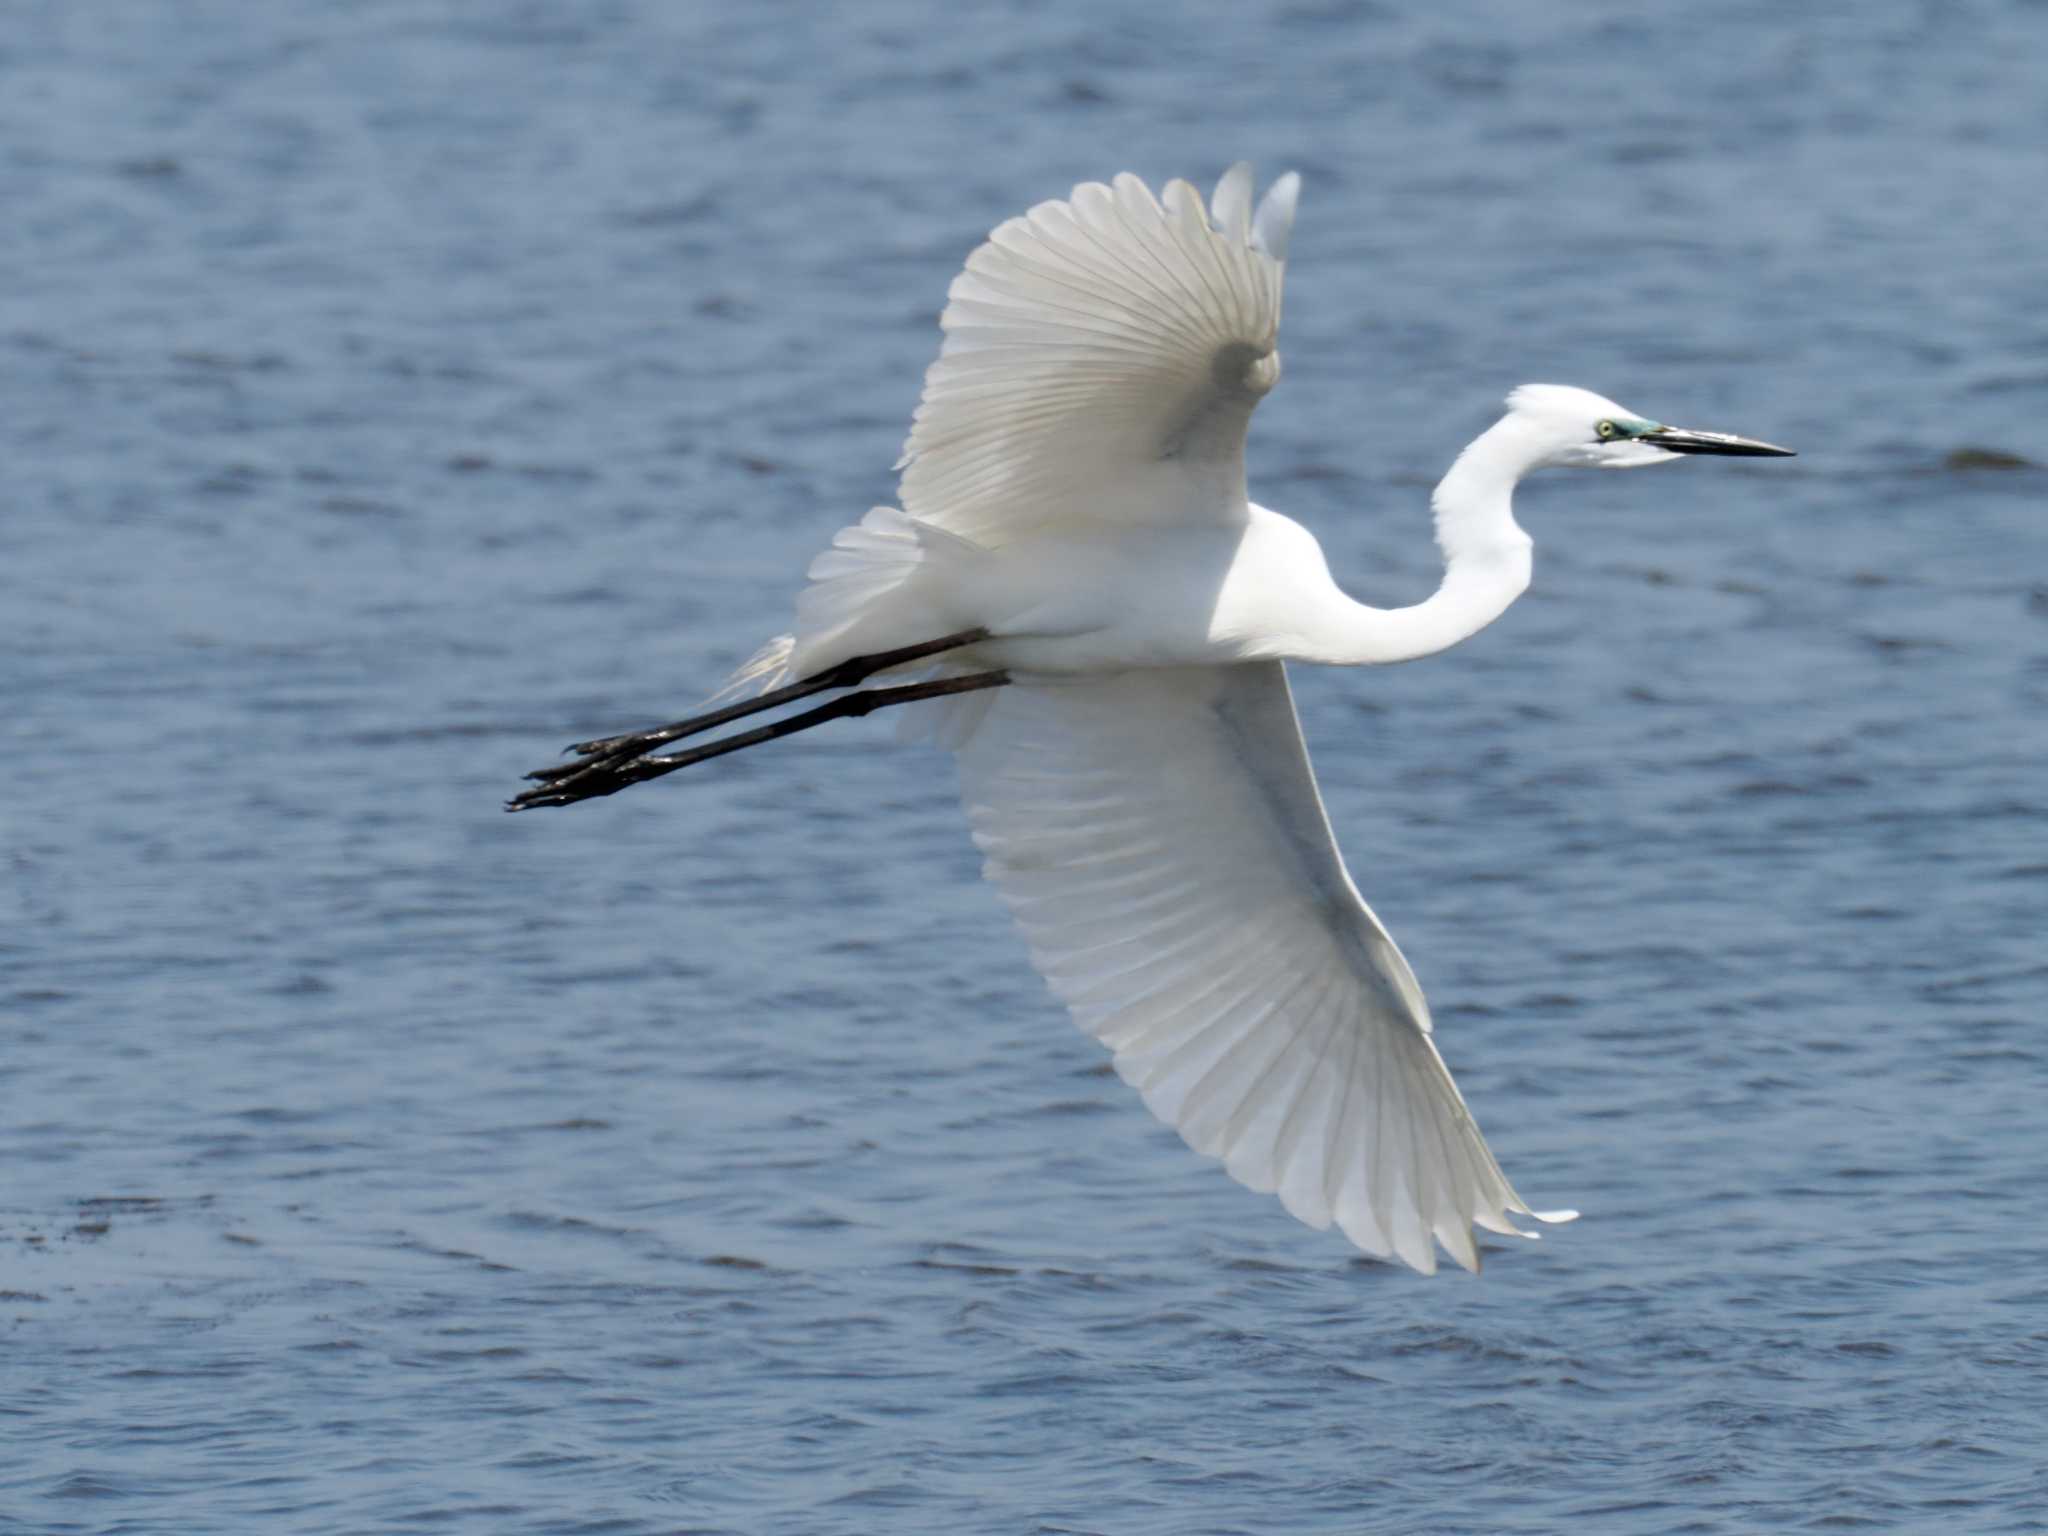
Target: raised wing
(1101, 361)
(1160, 839)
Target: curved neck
(1486, 554)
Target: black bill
(1679, 440)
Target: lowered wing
(1160, 839)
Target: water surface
(393, 392)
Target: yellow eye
(1607, 429)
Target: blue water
(392, 392)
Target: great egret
(1074, 525)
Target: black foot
(611, 764)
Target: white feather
(1102, 358)
(1159, 837)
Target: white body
(1074, 484)
(1098, 599)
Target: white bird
(1105, 617)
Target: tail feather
(864, 562)
(881, 585)
(766, 668)
(864, 597)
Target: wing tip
(1230, 206)
(1274, 225)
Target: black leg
(854, 670)
(609, 774)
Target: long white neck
(1486, 556)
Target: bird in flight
(1083, 604)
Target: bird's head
(1578, 429)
